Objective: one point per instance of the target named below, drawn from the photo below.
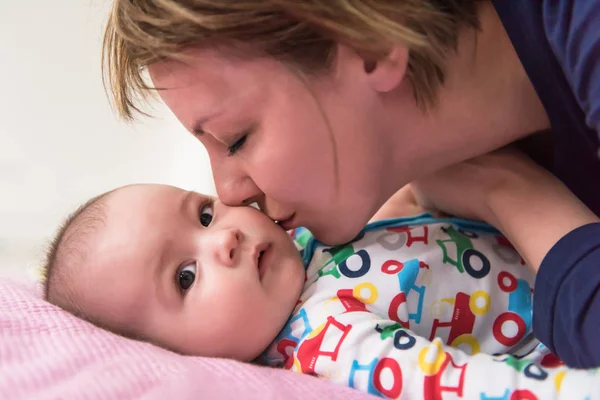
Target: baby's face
(189, 273)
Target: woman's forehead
(198, 94)
(211, 68)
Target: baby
(412, 308)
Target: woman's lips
(288, 223)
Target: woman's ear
(382, 75)
(386, 73)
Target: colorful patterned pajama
(423, 308)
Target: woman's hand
(506, 189)
(466, 189)
(402, 204)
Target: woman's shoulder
(557, 43)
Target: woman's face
(307, 149)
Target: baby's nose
(227, 245)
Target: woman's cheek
(292, 175)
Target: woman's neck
(486, 102)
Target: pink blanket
(46, 353)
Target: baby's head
(178, 269)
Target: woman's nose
(235, 188)
(226, 245)
(238, 193)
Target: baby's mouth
(262, 260)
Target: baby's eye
(186, 277)
(206, 214)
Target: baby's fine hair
(68, 248)
(300, 33)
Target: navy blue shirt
(558, 43)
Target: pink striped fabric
(46, 353)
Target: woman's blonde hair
(301, 33)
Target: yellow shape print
(432, 367)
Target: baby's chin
(245, 346)
(248, 354)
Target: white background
(60, 142)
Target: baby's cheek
(299, 280)
(290, 289)
(235, 305)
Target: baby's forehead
(139, 219)
(131, 211)
(140, 222)
(135, 208)
(119, 250)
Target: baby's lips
(258, 251)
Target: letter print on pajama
(423, 308)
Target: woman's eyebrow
(197, 127)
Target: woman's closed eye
(185, 277)
(237, 145)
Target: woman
(321, 110)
